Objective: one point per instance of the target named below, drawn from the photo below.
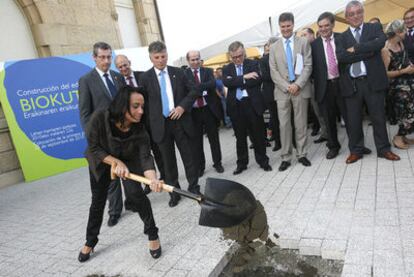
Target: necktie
(356, 67)
(111, 86)
(239, 92)
(130, 83)
(332, 65)
(289, 59)
(200, 100)
(164, 96)
(410, 34)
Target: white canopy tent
(305, 12)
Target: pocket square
(229, 77)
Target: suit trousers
(375, 103)
(274, 120)
(319, 116)
(134, 194)
(175, 134)
(204, 119)
(115, 204)
(300, 117)
(329, 106)
(246, 121)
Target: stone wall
(62, 27)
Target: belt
(359, 78)
(291, 82)
(333, 80)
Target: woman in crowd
(116, 137)
(401, 74)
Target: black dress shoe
(113, 220)
(267, 167)
(320, 140)
(156, 253)
(284, 165)
(332, 153)
(147, 190)
(84, 257)
(175, 198)
(314, 132)
(219, 168)
(366, 151)
(276, 147)
(239, 170)
(304, 161)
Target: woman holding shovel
(117, 138)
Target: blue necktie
(239, 92)
(289, 59)
(111, 86)
(164, 96)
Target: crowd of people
(129, 115)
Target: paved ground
(363, 213)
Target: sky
(195, 24)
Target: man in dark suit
(131, 78)
(268, 94)
(326, 79)
(170, 97)
(206, 112)
(363, 79)
(245, 106)
(96, 91)
(409, 37)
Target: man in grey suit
(290, 62)
(96, 91)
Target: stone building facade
(62, 27)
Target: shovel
(224, 204)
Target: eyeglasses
(358, 12)
(102, 57)
(237, 57)
(409, 18)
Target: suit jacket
(207, 83)
(252, 86)
(320, 67)
(367, 50)
(279, 68)
(409, 47)
(184, 95)
(93, 94)
(268, 86)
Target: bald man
(206, 113)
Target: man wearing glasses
(409, 37)
(363, 79)
(96, 91)
(245, 106)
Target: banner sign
(40, 100)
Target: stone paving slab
(362, 213)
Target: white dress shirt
(169, 87)
(101, 74)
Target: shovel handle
(165, 187)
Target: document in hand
(299, 64)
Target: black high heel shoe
(157, 252)
(84, 257)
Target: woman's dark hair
(120, 104)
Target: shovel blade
(225, 203)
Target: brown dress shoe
(353, 158)
(389, 156)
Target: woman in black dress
(116, 137)
(401, 74)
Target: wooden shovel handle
(146, 181)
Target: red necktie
(130, 83)
(200, 100)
